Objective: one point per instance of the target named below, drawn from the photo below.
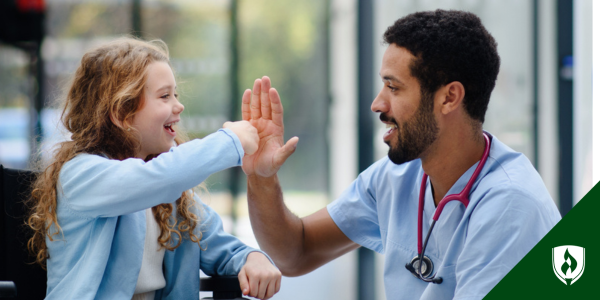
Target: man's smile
(392, 128)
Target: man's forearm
(278, 231)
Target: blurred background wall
(323, 57)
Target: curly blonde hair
(107, 85)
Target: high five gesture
(296, 245)
(263, 109)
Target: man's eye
(393, 89)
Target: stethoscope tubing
(463, 197)
(433, 279)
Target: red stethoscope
(421, 266)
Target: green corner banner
(565, 264)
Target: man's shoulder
(514, 196)
(512, 172)
(511, 182)
(514, 185)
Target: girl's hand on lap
(259, 278)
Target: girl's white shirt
(151, 276)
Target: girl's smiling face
(160, 111)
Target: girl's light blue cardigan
(101, 203)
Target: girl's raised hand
(246, 133)
(259, 278)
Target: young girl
(119, 194)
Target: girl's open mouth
(169, 129)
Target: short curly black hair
(449, 46)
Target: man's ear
(453, 96)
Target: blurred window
(509, 115)
(287, 40)
(197, 33)
(16, 85)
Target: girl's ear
(121, 124)
(115, 121)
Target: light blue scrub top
(472, 249)
(101, 209)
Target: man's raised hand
(263, 109)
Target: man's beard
(415, 135)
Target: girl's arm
(224, 254)
(94, 186)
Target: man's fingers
(246, 115)
(244, 282)
(276, 107)
(265, 103)
(255, 101)
(284, 152)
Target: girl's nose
(178, 108)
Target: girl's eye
(166, 96)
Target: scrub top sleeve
(93, 186)
(503, 228)
(221, 253)
(355, 211)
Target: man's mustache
(385, 118)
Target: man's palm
(263, 109)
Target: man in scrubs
(438, 72)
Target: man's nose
(379, 104)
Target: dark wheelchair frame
(16, 267)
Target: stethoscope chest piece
(426, 266)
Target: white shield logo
(568, 263)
